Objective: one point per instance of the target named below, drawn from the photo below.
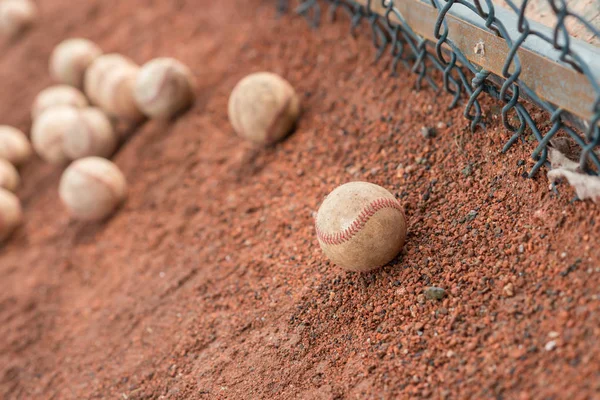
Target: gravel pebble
(551, 345)
(427, 133)
(435, 293)
(509, 290)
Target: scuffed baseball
(11, 214)
(163, 88)
(14, 145)
(47, 133)
(71, 58)
(16, 16)
(9, 176)
(263, 107)
(360, 226)
(89, 134)
(109, 83)
(58, 95)
(92, 188)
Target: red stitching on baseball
(359, 223)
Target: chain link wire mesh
(463, 79)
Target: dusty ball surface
(109, 83)
(9, 176)
(11, 214)
(14, 145)
(16, 16)
(360, 226)
(163, 88)
(92, 188)
(90, 134)
(263, 107)
(71, 58)
(58, 95)
(47, 133)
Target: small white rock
(551, 345)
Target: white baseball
(360, 226)
(16, 16)
(163, 88)
(92, 188)
(90, 134)
(14, 145)
(48, 130)
(263, 107)
(57, 95)
(9, 176)
(11, 213)
(71, 58)
(109, 83)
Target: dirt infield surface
(209, 282)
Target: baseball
(263, 107)
(11, 214)
(58, 95)
(89, 134)
(163, 88)
(71, 58)
(9, 176)
(97, 71)
(92, 188)
(109, 84)
(360, 226)
(47, 133)
(14, 145)
(16, 16)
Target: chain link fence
(462, 78)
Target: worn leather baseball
(92, 188)
(89, 134)
(263, 107)
(9, 176)
(163, 88)
(16, 16)
(57, 95)
(11, 214)
(48, 130)
(361, 226)
(71, 58)
(14, 145)
(109, 82)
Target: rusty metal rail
(505, 54)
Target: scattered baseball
(109, 82)
(58, 95)
(92, 188)
(71, 58)
(47, 133)
(360, 226)
(163, 87)
(263, 107)
(11, 214)
(14, 145)
(9, 176)
(89, 134)
(16, 16)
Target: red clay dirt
(209, 282)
